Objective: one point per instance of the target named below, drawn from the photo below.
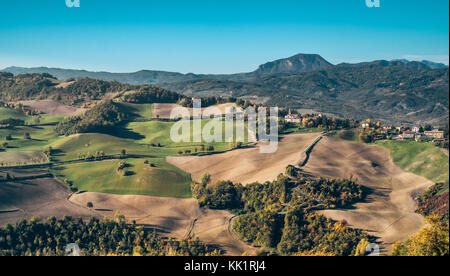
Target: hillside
(398, 91)
(388, 91)
(296, 64)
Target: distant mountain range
(296, 64)
(392, 91)
(300, 63)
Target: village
(370, 131)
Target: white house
(292, 118)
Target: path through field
(247, 165)
(171, 217)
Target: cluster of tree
(316, 121)
(94, 238)
(309, 232)
(98, 155)
(122, 168)
(262, 228)
(151, 94)
(45, 86)
(298, 232)
(11, 122)
(102, 118)
(306, 192)
(207, 101)
(432, 240)
(263, 220)
(434, 202)
(222, 196)
(328, 193)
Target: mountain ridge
(300, 63)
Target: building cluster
(403, 132)
(300, 119)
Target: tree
(89, 205)
(27, 136)
(123, 153)
(206, 179)
(5, 145)
(432, 240)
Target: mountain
(396, 91)
(434, 65)
(140, 77)
(389, 91)
(296, 64)
(300, 63)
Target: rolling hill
(397, 91)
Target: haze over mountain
(392, 91)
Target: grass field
(348, 135)
(144, 111)
(6, 113)
(162, 180)
(41, 136)
(295, 130)
(423, 159)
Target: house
(435, 134)
(402, 128)
(408, 135)
(416, 129)
(292, 118)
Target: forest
(94, 237)
(280, 215)
(102, 117)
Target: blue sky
(211, 36)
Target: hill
(397, 91)
(382, 90)
(300, 63)
(296, 64)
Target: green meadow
(143, 139)
(6, 113)
(423, 159)
(162, 179)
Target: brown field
(163, 110)
(43, 197)
(53, 108)
(171, 217)
(247, 165)
(389, 211)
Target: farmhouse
(435, 134)
(292, 118)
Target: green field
(296, 130)
(6, 113)
(41, 136)
(144, 111)
(348, 135)
(423, 159)
(164, 180)
(146, 139)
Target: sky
(211, 36)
